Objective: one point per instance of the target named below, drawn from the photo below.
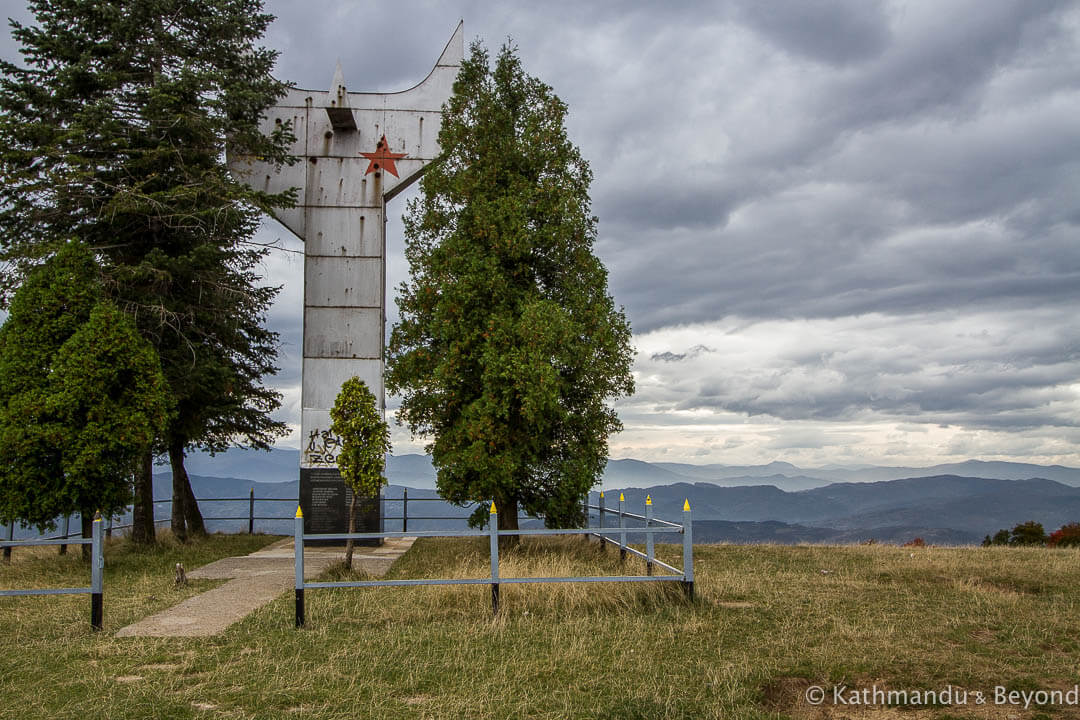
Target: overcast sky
(844, 231)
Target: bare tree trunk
(179, 490)
(508, 520)
(87, 517)
(352, 528)
(192, 514)
(142, 512)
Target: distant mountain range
(957, 503)
(281, 465)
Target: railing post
(622, 527)
(97, 568)
(405, 510)
(298, 555)
(688, 552)
(493, 527)
(10, 537)
(649, 550)
(603, 539)
(67, 529)
(251, 512)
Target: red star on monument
(382, 158)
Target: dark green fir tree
(509, 346)
(114, 133)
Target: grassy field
(769, 624)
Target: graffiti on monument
(322, 448)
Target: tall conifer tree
(115, 133)
(509, 345)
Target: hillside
(769, 624)
(945, 510)
(281, 465)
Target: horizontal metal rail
(589, 531)
(487, 581)
(654, 561)
(613, 511)
(395, 534)
(685, 576)
(97, 567)
(46, 541)
(48, 591)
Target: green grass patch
(769, 623)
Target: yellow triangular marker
(299, 512)
(601, 493)
(492, 507)
(621, 498)
(648, 499)
(686, 505)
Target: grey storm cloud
(817, 211)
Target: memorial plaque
(324, 500)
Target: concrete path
(255, 580)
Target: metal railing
(251, 518)
(653, 526)
(96, 541)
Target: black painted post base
(96, 610)
(494, 598)
(299, 608)
(688, 590)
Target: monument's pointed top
(338, 94)
(454, 52)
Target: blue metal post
(298, 555)
(97, 568)
(688, 552)
(603, 540)
(622, 527)
(493, 527)
(649, 550)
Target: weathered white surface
(345, 232)
(343, 332)
(331, 373)
(343, 282)
(340, 216)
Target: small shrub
(1067, 535)
(919, 542)
(1029, 533)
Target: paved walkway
(255, 580)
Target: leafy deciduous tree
(365, 440)
(509, 345)
(1068, 535)
(1028, 533)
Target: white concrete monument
(357, 151)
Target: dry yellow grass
(769, 623)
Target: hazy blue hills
(942, 509)
(777, 502)
(281, 465)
